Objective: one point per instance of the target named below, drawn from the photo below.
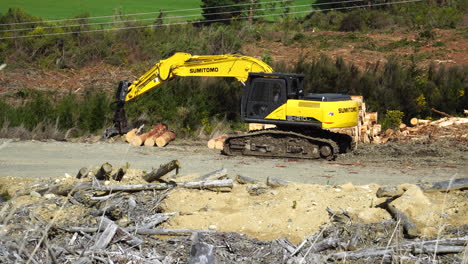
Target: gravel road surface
(369, 164)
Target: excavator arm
(182, 64)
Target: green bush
(392, 119)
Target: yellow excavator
(271, 98)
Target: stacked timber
(367, 130)
(159, 136)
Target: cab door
(265, 95)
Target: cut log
(402, 126)
(156, 132)
(211, 143)
(441, 113)
(162, 170)
(372, 116)
(219, 143)
(149, 142)
(136, 141)
(103, 174)
(423, 122)
(165, 138)
(83, 173)
(130, 135)
(118, 176)
(214, 175)
(414, 121)
(255, 126)
(228, 183)
(465, 112)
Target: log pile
(367, 130)
(159, 136)
(120, 223)
(421, 129)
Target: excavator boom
(182, 64)
(185, 64)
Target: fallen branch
(163, 186)
(162, 170)
(409, 227)
(214, 175)
(440, 113)
(144, 231)
(444, 246)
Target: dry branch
(163, 186)
(441, 113)
(214, 175)
(444, 246)
(409, 227)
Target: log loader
(271, 98)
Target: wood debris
(120, 223)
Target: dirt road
(386, 164)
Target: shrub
(353, 21)
(392, 119)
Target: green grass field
(53, 9)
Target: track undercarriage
(315, 144)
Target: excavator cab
(265, 92)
